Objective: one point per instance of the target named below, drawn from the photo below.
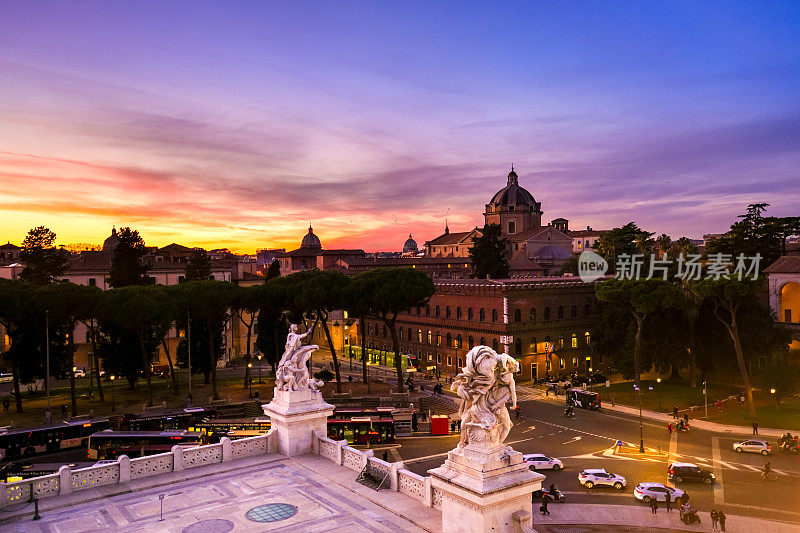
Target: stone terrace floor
(325, 495)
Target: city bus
(68, 434)
(110, 444)
(216, 428)
(362, 429)
(164, 419)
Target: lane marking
(574, 439)
(753, 468)
(529, 429)
(719, 492)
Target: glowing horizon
(237, 126)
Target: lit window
(560, 363)
(574, 341)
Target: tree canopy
(489, 254)
(127, 267)
(43, 261)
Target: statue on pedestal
(292, 373)
(485, 385)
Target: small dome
(111, 241)
(513, 194)
(310, 240)
(410, 247)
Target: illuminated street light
(250, 378)
(113, 398)
(658, 380)
(260, 355)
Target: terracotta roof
(449, 238)
(9, 246)
(788, 264)
(344, 251)
(525, 235)
(586, 233)
(174, 247)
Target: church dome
(512, 194)
(410, 247)
(310, 240)
(111, 241)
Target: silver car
(753, 446)
(656, 491)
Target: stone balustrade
(125, 469)
(400, 479)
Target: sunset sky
(236, 124)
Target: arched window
(401, 334)
(469, 314)
(587, 310)
(438, 311)
(459, 342)
(573, 312)
(470, 342)
(460, 362)
(419, 336)
(494, 315)
(547, 313)
(483, 341)
(482, 315)
(532, 315)
(458, 313)
(495, 345)
(438, 339)
(409, 334)
(447, 312)
(588, 338)
(574, 341)
(518, 346)
(560, 312)
(449, 340)
(427, 310)
(430, 337)
(561, 342)
(517, 315)
(449, 360)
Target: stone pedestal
(295, 415)
(482, 487)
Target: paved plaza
(313, 498)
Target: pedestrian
(719, 406)
(6, 402)
(350, 379)
(714, 519)
(668, 501)
(255, 396)
(741, 399)
(612, 401)
(545, 501)
(755, 427)
(64, 410)
(385, 456)
(686, 418)
(517, 410)
(669, 427)
(722, 517)
(458, 425)
(675, 412)
(547, 393)
(654, 506)
(453, 426)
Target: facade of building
(544, 323)
(584, 239)
(783, 278)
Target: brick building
(544, 323)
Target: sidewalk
(641, 517)
(666, 418)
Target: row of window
(573, 313)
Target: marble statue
(485, 385)
(292, 373)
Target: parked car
(536, 461)
(680, 472)
(646, 492)
(753, 446)
(592, 477)
(79, 373)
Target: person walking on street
(686, 418)
(654, 506)
(755, 427)
(668, 501)
(669, 427)
(719, 406)
(675, 412)
(722, 517)
(714, 519)
(545, 501)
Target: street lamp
(260, 355)
(591, 380)
(658, 380)
(113, 398)
(250, 376)
(641, 426)
(775, 411)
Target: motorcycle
(569, 414)
(682, 427)
(557, 496)
(690, 517)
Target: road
(587, 440)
